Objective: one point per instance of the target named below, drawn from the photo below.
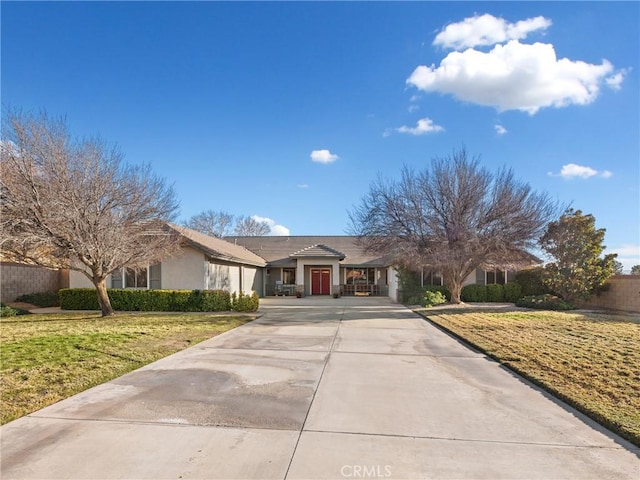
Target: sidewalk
(317, 388)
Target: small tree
(618, 268)
(575, 244)
(210, 222)
(72, 203)
(635, 270)
(250, 227)
(453, 217)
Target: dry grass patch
(46, 358)
(589, 360)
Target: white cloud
(572, 170)
(615, 81)
(500, 130)
(303, 185)
(413, 108)
(323, 156)
(424, 126)
(514, 76)
(487, 30)
(628, 255)
(276, 229)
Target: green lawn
(46, 358)
(589, 360)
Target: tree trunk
(456, 291)
(455, 287)
(103, 297)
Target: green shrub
(409, 285)
(530, 280)
(244, 303)
(433, 298)
(40, 299)
(438, 288)
(413, 300)
(474, 293)
(512, 292)
(79, 299)
(495, 292)
(148, 300)
(545, 302)
(6, 311)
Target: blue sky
(288, 111)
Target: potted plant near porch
(299, 291)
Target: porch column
(336, 277)
(300, 280)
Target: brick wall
(623, 294)
(16, 280)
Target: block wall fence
(17, 279)
(623, 294)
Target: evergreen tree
(575, 244)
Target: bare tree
(250, 227)
(454, 217)
(73, 203)
(210, 222)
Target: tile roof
(279, 250)
(218, 248)
(318, 251)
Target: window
(430, 277)
(143, 278)
(289, 276)
(135, 278)
(495, 276)
(361, 276)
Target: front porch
(347, 290)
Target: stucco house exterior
(277, 265)
(320, 265)
(203, 263)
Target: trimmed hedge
(153, 300)
(496, 293)
(512, 292)
(530, 280)
(474, 293)
(40, 299)
(244, 303)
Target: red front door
(320, 281)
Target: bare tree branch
(455, 217)
(73, 203)
(210, 222)
(250, 227)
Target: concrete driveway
(317, 388)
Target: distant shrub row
(509, 292)
(160, 300)
(40, 299)
(545, 302)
